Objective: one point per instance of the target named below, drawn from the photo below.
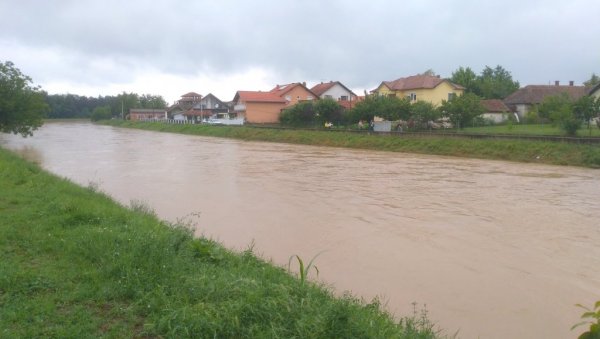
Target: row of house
(266, 106)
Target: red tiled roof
(494, 106)
(535, 94)
(417, 82)
(280, 90)
(253, 96)
(322, 87)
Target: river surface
(494, 249)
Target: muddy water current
(494, 249)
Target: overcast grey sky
(169, 48)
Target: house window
(413, 96)
(344, 98)
(451, 96)
(391, 95)
(327, 96)
(309, 97)
(288, 98)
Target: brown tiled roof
(280, 90)
(191, 95)
(417, 82)
(535, 94)
(254, 96)
(594, 89)
(321, 88)
(494, 106)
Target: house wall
(596, 93)
(140, 116)
(263, 112)
(296, 92)
(522, 110)
(337, 92)
(432, 95)
(496, 117)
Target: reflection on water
(497, 249)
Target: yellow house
(420, 88)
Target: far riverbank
(551, 153)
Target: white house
(337, 91)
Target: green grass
(554, 153)
(523, 129)
(75, 264)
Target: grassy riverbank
(513, 150)
(76, 264)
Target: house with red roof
(421, 87)
(495, 110)
(208, 106)
(265, 107)
(185, 103)
(337, 91)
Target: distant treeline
(69, 106)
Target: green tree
(152, 101)
(585, 109)
(22, 106)
(328, 110)
(592, 81)
(422, 112)
(495, 83)
(101, 113)
(301, 114)
(386, 107)
(462, 109)
(559, 109)
(466, 78)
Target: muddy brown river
(494, 249)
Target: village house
(415, 88)
(265, 107)
(185, 103)
(595, 91)
(495, 110)
(147, 113)
(337, 91)
(522, 100)
(207, 107)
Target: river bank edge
(542, 152)
(76, 263)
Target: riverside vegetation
(513, 150)
(77, 264)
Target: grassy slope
(76, 264)
(523, 129)
(512, 150)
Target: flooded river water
(494, 249)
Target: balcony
(239, 108)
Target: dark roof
(535, 94)
(594, 89)
(191, 95)
(324, 87)
(494, 106)
(417, 82)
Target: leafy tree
(101, 113)
(328, 110)
(466, 78)
(22, 106)
(387, 107)
(593, 81)
(422, 112)
(302, 113)
(559, 109)
(152, 101)
(586, 108)
(495, 83)
(462, 110)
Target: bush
(101, 113)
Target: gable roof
(494, 106)
(417, 82)
(594, 89)
(254, 96)
(535, 94)
(281, 90)
(321, 88)
(191, 95)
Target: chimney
(556, 83)
(304, 83)
(571, 83)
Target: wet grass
(511, 150)
(537, 129)
(75, 264)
